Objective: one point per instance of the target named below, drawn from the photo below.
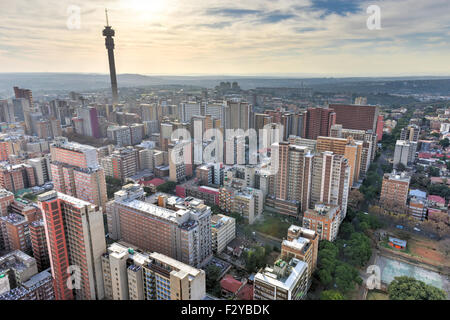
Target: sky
(223, 37)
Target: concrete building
(41, 169)
(319, 122)
(302, 244)
(38, 287)
(120, 135)
(168, 279)
(223, 230)
(75, 236)
(76, 172)
(357, 117)
(394, 191)
(283, 281)
(324, 219)
(122, 269)
(330, 180)
(121, 163)
(352, 150)
(405, 152)
(293, 178)
(182, 232)
(17, 177)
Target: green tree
(346, 229)
(407, 288)
(167, 187)
(212, 280)
(444, 143)
(358, 250)
(331, 295)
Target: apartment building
(75, 237)
(182, 232)
(330, 181)
(284, 281)
(324, 219)
(394, 191)
(223, 229)
(168, 279)
(302, 244)
(121, 164)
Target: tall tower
(109, 33)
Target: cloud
(223, 36)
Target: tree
(355, 198)
(444, 143)
(345, 277)
(212, 279)
(331, 295)
(346, 230)
(407, 288)
(358, 250)
(167, 187)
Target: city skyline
(221, 37)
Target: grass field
(273, 225)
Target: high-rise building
(319, 122)
(120, 135)
(183, 232)
(6, 198)
(302, 244)
(223, 230)
(357, 117)
(324, 219)
(121, 164)
(76, 237)
(330, 180)
(20, 280)
(238, 115)
(168, 279)
(293, 178)
(123, 272)
(188, 110)
(91, 127)
(369, 144)
(394, 191)
(284, 281)
(352, 150)
(405, 152)
(75, 171)
(410, 133)
(39, 244)
(41, 169)
(17, 177)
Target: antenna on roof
(107, 21)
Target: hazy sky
(324, 37)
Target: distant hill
(47, 82)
